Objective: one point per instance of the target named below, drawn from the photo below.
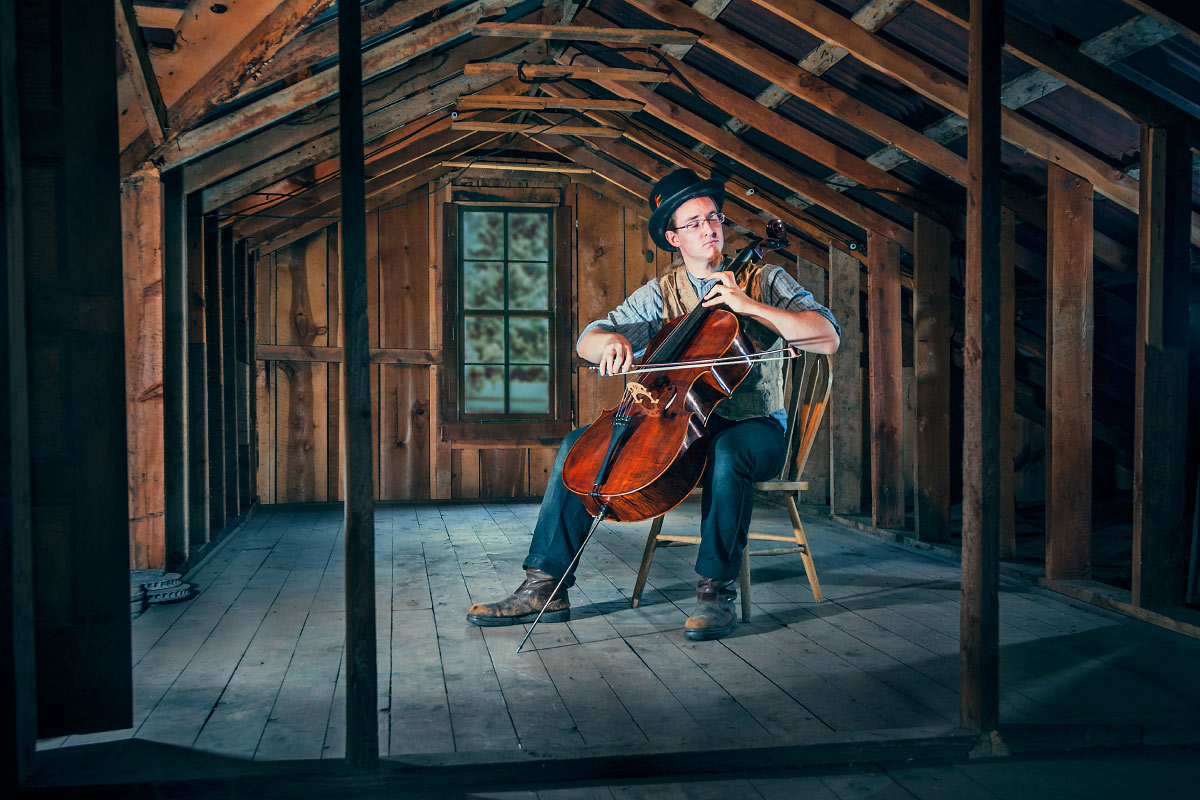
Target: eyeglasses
(714, 219)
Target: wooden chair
(807, 385)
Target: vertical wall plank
(265, 385)
(886, 360)
(142, 250)
(813, 278)
(541, 464)
(403, 432)
(175, 370)
(1006, 502)
(600, 256)
(931, 372)
(845, 407)
(336, 338)
(440, 467)
(502, 472)
(1160, 530)
(197, 378)
(229, 316)
(214, 354)
(1070, 331)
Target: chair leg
(744, 579)
(805, 552)
(647, 558)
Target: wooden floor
(252, 667)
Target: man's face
(704, 243)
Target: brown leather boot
(524, 604)
(714, 616)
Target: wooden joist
(944, 90)
(469, 102)
(1077, 70)
(140, 71)
(533, 129)
(583, 33)
(578, 71)
(257, 115)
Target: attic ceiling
(838, 116)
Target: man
(746, 432)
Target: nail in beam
(979, 642)
(362, 730)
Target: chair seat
(808, 389)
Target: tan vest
(761, 393)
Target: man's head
(680, 198)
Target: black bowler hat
(673, 191)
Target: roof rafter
(140, 71)
(584, 33)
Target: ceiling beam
(725, 142)
(301, 143)
(582, 33)
(1179, 14)
(1078, 71)
(558, 71)
(534, 129)
(520, 101)
(271, 109)
(815, 91)
(940, 88)
(140, 71)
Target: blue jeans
(739, 453)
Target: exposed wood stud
(979, 645)
(197, 378)
(845, 408)
(931, 371)
(1006, 503)
(214, 354)
(1160, 534)
(1070, 330)
(229, 317)
(175, 370)
(885, 359)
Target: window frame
(459, 426)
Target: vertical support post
(931, 371)
(18, 673)
(1069, 334)
(845, 408)
(175, 368)
(142, 278)
(1160, 535)
(979, 644)
(229, 317)
(886, 367)
(214, 353)
(1007, 508)
(362, 728)
(197, 379)
(241, 364)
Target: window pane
(483, 234)
(528, 341)
(483, 392)
(529, 236)
(529, 285)
(483, 284)
(529, 390)
(483, 340)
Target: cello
(641, 458)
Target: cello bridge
(637, 393)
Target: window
(507, 322)
(507, 319)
